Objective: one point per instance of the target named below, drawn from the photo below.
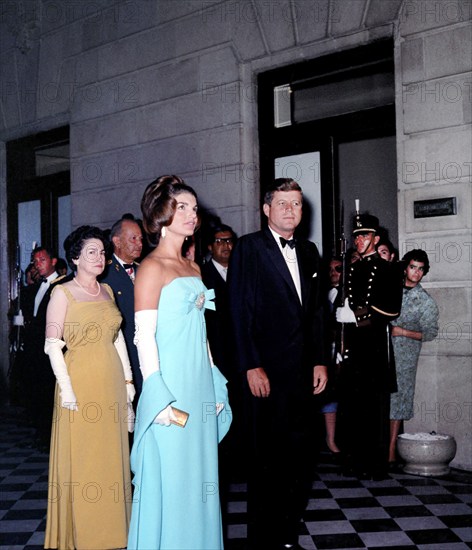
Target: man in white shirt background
(38, 378)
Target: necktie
(291, 243)
(128, 266)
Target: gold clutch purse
(181, 417)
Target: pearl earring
(163, 232)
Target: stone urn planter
(426, 454)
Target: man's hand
(320, 378)
(258, 382)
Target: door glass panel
(64, 223)
(346, 96)
(372, 181)
(29, 229)
(305, 170)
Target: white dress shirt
(223, 271)
(43, 288)
(290, 257)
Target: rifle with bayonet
(16, 333)
(342, 253)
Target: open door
(329, 124)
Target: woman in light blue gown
(176, 501)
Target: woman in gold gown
(89, 477)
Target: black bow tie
(291, 243)
(128, 266)
(43, 280)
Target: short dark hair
(221, 228)
(280, 184)
(61, 264)
(49, 251)
(159, 204)
(387, 243)
(74, 242)
(416, 255)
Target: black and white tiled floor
(404, 512)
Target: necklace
(86, 291)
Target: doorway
(38, 194)
(329, 124)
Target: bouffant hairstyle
(74, 243)
(280, 184)
(417, 255)
(159, 204)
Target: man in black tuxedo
(38, 377)
(277, 313)
(221, 340)
(214, 275)
(127, 240)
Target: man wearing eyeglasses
(276, 307)
(214, 275)
(220, 337)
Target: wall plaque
(435, 207)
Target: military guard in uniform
(367, 377)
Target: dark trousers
(364, 402)
(279, 472)
(40, 384)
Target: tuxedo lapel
(278, 261)
(308, 267)
(305, 275)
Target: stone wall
(169, 86)
(434, 113)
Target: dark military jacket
(374, 289)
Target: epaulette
(57, 279)
(62, 279)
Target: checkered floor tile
(403, 512)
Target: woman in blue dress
(176, 501)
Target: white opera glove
(345, 314)
(53, 348)
(120, 346)
(165, 417)
(18, 319)
(145, 322)
(145, 341)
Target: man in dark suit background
(214, 275)
(38, 378)
(277, 313)
(127, 240)
(220, 337)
